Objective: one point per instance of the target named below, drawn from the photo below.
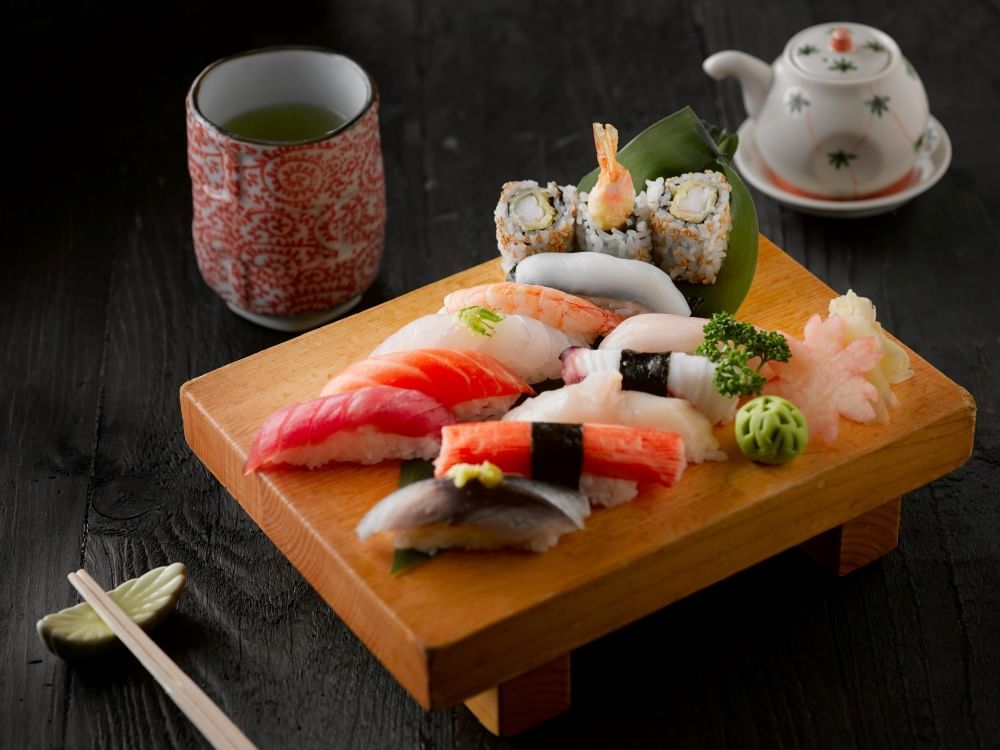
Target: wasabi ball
(771, 430)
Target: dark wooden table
(105, 315)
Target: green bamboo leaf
(682, 143)
(79, 632)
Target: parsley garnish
(731, 345)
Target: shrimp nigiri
(613, 197)
(566, 312)
(473, 385)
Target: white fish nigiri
(600, 399)
(682, 375)
(657, 332)
(436, 514)
(592, 274)
(525, 345)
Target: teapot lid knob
(840, 40)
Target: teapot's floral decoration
(796, 101)
(878, 104)
(807, 49)
(843, 65)
(875, 46)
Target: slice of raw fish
(600, 398)
(473, 385)
(364, 426)
(525, 345)
(592, 274)
(435, 514)
(682, 375)
(657, 332)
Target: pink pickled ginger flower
(825, 376)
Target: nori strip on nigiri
(557, 453)
(644, 372)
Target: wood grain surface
(105, 315)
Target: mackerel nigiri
(363, 426)
(525, 345)
(657, 332)
(584, 456)
(435, 514)
(568, 313)
(600, 398)
(472, 385)
(683, 375)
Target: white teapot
(840, 114)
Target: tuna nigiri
(435, 514)
(569, 314)
(364, 426)
(472, 385)
(600, 398)
(575, 455)
(682, 375)
(657, 332)
(525, 345)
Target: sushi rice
(634, 242)
(692, 248)
(516, 237)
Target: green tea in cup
(289, 122)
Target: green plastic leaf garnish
(413, 470)
(682, 143)
(479, 319)
(404, 559)
(79, 632)
(731, 344)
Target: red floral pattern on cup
(286, 230)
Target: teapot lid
(842, 52)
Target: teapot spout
(755, 76)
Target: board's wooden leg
(525, 701)
(859, 541)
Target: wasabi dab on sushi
(771, 430)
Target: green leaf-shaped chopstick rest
(78, 632)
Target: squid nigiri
(657, 332)
(472, 385)
(525, 345)
(566, 312)
(591, 274)
(600, 398)
(682, 375)
(585, 456)
(364, 426)
(435, 514)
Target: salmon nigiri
(566, 312)
(364, 426)
(472, 385)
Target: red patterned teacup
(288, 233)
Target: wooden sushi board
(495, 629)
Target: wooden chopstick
(218, 729)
